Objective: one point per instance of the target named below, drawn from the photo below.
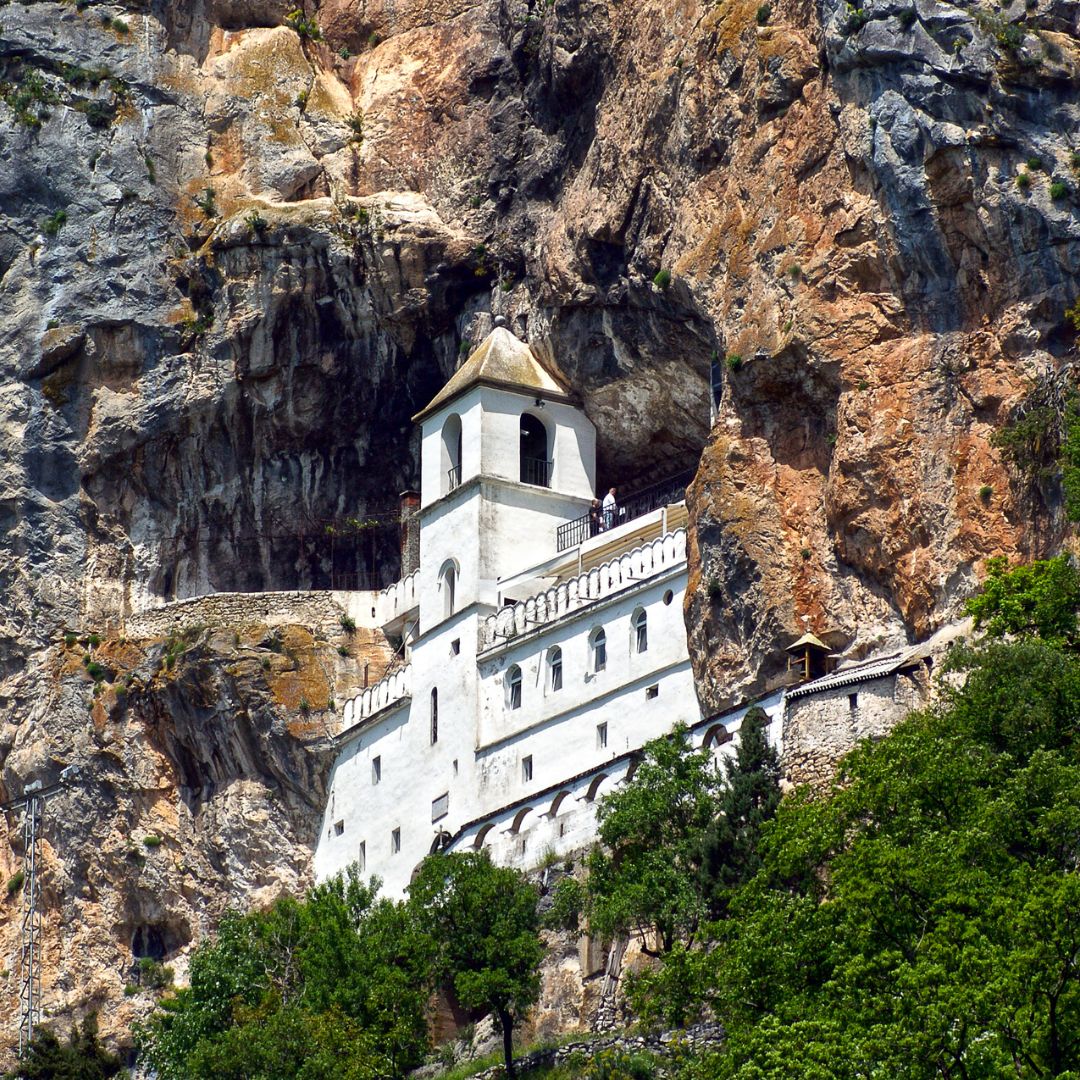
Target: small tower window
(451, 453)
(434, 716)
(526, 769)
(555, 667)
(361, 857)
(601, 736)
(376, 770)
(535, 463)
(598, 644)
(513, 687)
(448, 587)
(853, 702)
(641, 631)
(395, 841)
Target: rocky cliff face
(235, 259)
(203, 763)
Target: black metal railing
(349, 581)
(536, 471)
(643, 502)
(453, 478)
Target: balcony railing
(630, 568)
(453, 478)
(667, 492)
(536, 471)
(393, 687)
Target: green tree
(328, 986)
(482, 926)
(923, 920)
(645, 879)
(1039, 598)
(82, 1057)
(730, 853)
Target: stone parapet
(321, 612)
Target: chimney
(410, 532)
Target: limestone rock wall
(203, 764)
(234, 262)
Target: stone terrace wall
(319, 611)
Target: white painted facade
(506, 720)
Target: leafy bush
(1023, 181)
(256, 223)
(54, 222)
(734, 362)
(1034, 163)
(857, 18)
(1058, 190)
(308, 29)
(985, 492)
(764, 13)
(348, 624)
(15, 882)
(908, 17)
(151, 840)
(206, 202)
(662, 279)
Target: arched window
(434, 716)
(513, 687)
(481, 837)
(535, 463)
(641, 631)
(451, 453)
(598, 648)
(717, 735)
(556, 803)
(448, 585)
(555, 668)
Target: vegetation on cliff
(336, 987)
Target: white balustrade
(396, 599)
(391, 688)
(641, 563)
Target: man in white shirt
(609, 509)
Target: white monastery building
(542, 644)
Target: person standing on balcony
(610, 509)
(594, 517)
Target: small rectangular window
(361, 857)
(440, 807)
(339, 827)
(601, 735)
(395, 841)
(652, 692)
(455, 647)
(526, 768)
(376, 770)
(853, 702)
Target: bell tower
(507, 455)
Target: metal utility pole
(32, 804)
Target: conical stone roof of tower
(504, 361)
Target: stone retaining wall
(321, 612)
(683, 1040)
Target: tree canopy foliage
(481, 922)
(336, 986)
(332, 986)
(923, 920)
(1039, 598)
(81, 1057)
